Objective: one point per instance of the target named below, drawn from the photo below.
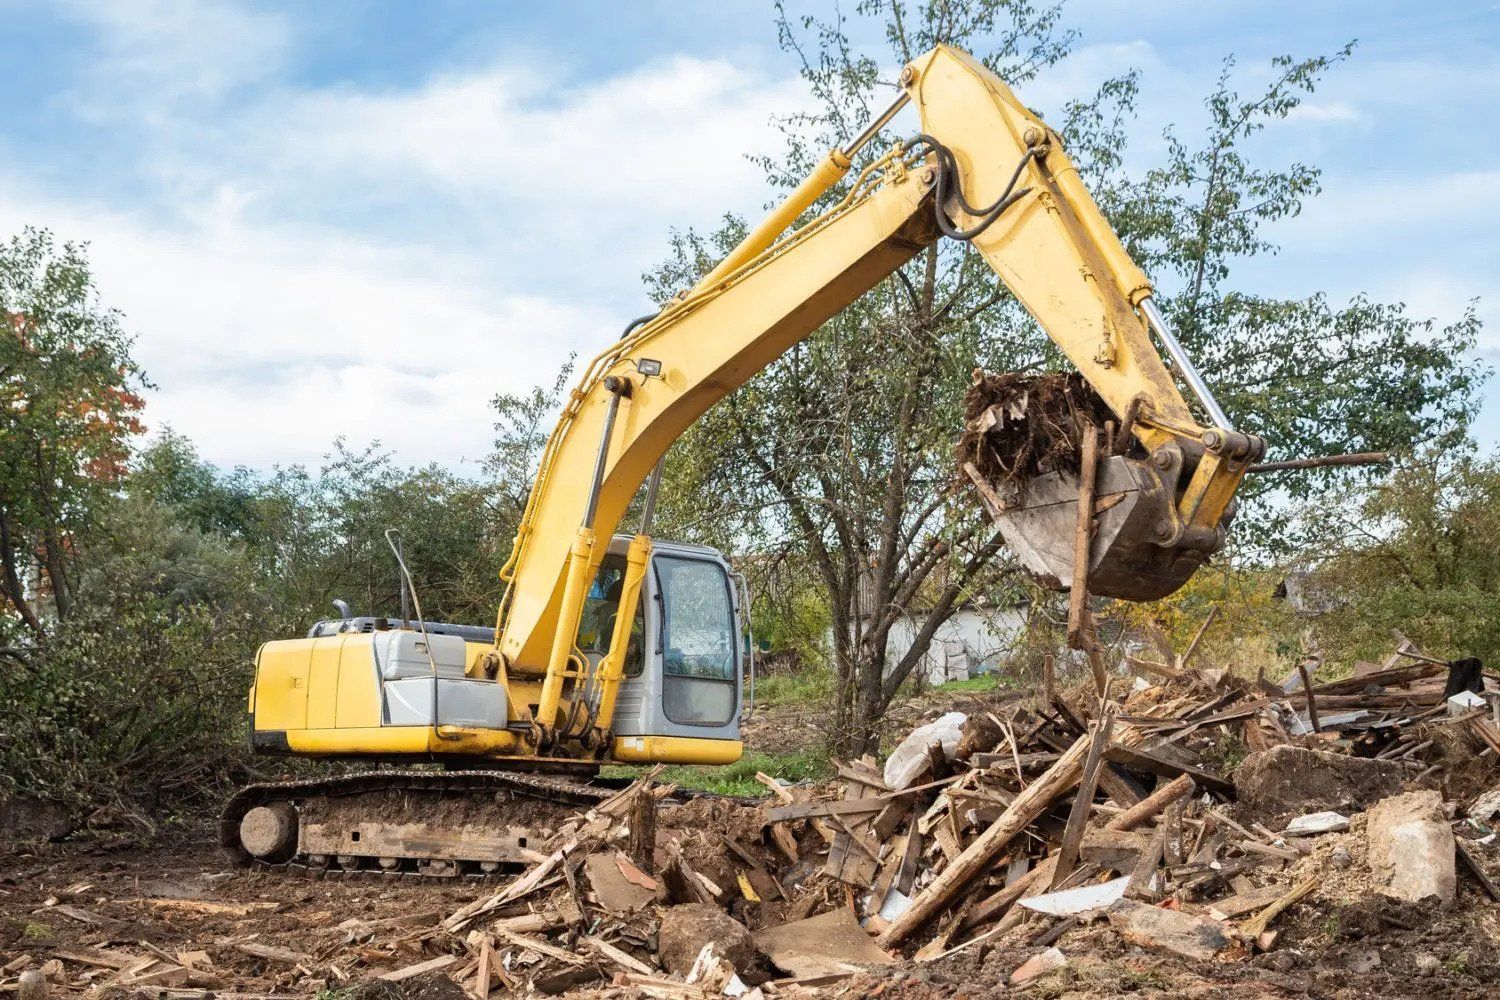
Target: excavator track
(407, 824)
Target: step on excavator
(617, 648)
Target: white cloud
(1324, 112)
(277, 306)
(153, 54)
(267, 343)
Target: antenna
(393, 539)
(402, 577)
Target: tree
(68, 411)
(837, 457)
(1311, 377)
(838, 454)
(1416, 553)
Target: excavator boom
(1043, 235)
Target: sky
(366, 219)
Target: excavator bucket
(1131, 504)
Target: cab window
(601, 606)
(698, 642)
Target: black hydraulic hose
(947, 178)
(639, 321)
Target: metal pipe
(648, 511)
(1185, 365)
(873, 129)
(824, 176)
(590, 511)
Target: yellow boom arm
(1052, 247)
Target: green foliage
(836, 457)
(141, 695)
(178, 571)
(68, 407)
(971, 685)
(1311, 376)
(1416, 553)
(804, 686)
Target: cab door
(697, 646)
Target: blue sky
(364, 219)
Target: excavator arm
(984, 169)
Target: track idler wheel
(269, 832)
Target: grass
(794, 688)
(981, 683)
(36, 932)
(738, 778)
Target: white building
(972, 641)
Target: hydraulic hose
(948, 182)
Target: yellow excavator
(617, 648)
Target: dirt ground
(178, 896)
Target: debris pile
(1200, 819)
(1019, 426)
(1063, 810)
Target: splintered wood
(1109, 801)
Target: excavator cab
(684, 660)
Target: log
(1078, 816)
(1036, 799)
(1151, 805)
(996, 903)
(1083, 537)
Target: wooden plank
(537, 945)
(482, 978)
(1244, 902)
(420, 969)
(97, 957)
(620, 957)
(1312, 701)
(1078, 816)
(1142, 877)
(271, 953)
(1036, 799)
(1477, 870)
(831, 807)
(1143, 760)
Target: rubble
(1038, 964)
(1287, 780)
(1412, 851)
(1058, 829)
(1154, 927)
(688, 929)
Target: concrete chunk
(1038, 964)
(1411, 847)
(1171, 930)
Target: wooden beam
(1083, 800)
(1034, 800)
(1180, 787)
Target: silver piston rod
(1185, 365)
